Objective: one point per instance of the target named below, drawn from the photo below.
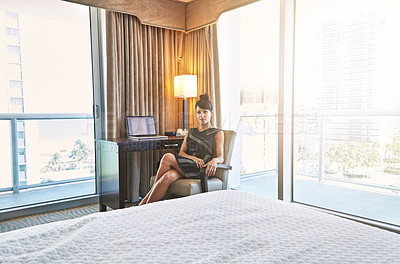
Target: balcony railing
(315, 123)
(16, 160)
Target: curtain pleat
(198, 60)
(141, 64)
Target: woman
(202, 147)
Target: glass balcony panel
(359, 170)
(258, 140)
(59, 150)
(58, 161)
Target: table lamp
(185, 86)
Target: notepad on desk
(142, 128)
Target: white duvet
(216, 227)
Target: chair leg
(203, 180)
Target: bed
(216, 227)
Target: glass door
(248, 44)
(46, 93)
(347, 107)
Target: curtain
(141, 64)
(200, 57)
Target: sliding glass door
(248, 40)
(347, 107)
(46, 94)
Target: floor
(45, 194)
(369, 204)
(372, 205)
(37, 219)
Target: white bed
(216, 227)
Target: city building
(12, 82)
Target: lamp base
(184, 114)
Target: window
(47, 65)
(17, 102)
(11, 15)
(15, 84)
(345, 80)
(12, 32)
(346, 102)
(13, 49)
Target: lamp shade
(185, 86)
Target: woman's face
(203, 115)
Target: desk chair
(186, 187)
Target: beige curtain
(200, 57)
(141, 64)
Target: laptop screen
(141, 126)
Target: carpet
(42, 218)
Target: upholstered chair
(186, 187)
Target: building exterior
(347, 64)
(12, 88)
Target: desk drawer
(150, 145)
(171, 144)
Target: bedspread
(215, 227)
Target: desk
(111, 155)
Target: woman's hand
(211, 167)
(199, 162)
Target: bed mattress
(215, 227)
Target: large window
(347, 96)
(346, 101)
(46, 100)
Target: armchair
(186, 187)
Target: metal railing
(14, 118)
(320, 119)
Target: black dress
(201, 145)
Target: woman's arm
(212, 164)
(182, 152)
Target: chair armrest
(219, 166)
(224, 166)
(203, 178)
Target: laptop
(142, 128)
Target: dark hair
(204, 102)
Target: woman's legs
(168, 162)
(161, 186)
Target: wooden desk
(112, 177)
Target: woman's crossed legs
(167, 173)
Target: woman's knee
(167, 159)
(169, 177)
